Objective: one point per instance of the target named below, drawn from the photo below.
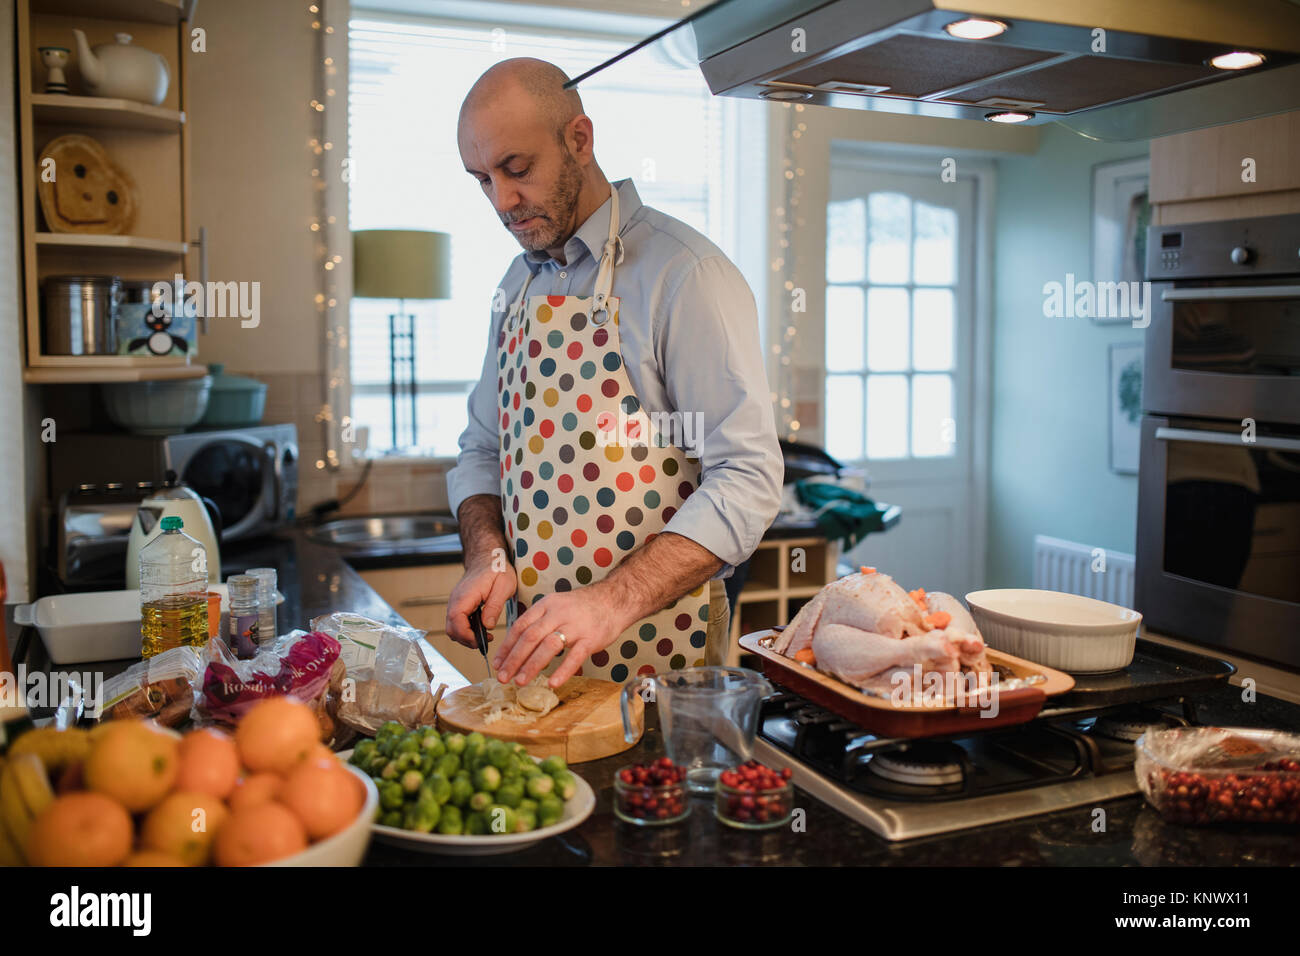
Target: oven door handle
(1229, 293)
(272, 457)
(1226, 438)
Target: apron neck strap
(610, 255)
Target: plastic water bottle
(266, 581)
(173, 591)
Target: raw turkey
(864, 627)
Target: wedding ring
(564, 641)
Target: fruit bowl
(348, 846)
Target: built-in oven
(1218, 543)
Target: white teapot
(122, 71)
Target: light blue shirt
(690, 344)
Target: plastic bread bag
(159, 687)
(388, 677)
(299, 664)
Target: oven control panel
(1266, 246)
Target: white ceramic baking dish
(93, 625)
(1078, 635)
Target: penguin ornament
(159, 341)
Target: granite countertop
(315, 580)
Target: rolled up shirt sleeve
(713, 372)
(478, 470)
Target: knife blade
(480, 636)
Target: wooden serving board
(879, 715)
(586, 725)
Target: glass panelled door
(899, 332)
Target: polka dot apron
(585, 478)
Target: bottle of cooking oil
(173, 590)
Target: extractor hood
(1110, 69)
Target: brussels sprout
(502, 819)
(487, 778)
(549, 810)
(510, 794)
(408, 761)
(513, 767)
(527, 804)
(451, 823)
(565, 785)
(478, 802)
(527, 821)
(461, 790)
(391, 795)
(431, 743)
(408, 745)
(454, 742)
(411, 780)
(529, 769)
(476, 824)
(540, 786)
(518, 748)
(428, 764)
(474, 744)
(448, 765)
(421, 816)
(389, 770)
(554, 764)
(377, 763)
(385, 746)
(393, 818)
(440, 787)
(390, 728)
(498, 753)
(362, 754)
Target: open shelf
(130, 244)
(150, 11)
(109, 368)
(57, 109)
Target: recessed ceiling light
(1009, 116)
(975, 28)
(1237, 60)
(785, 95)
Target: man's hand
(588, 619)
(482, 584)
(591, 618)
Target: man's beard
(555, 213)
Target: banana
(13, 809)
(10, 852)
(56, 748)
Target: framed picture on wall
(1125, 406)
(1121, 213)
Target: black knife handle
(480, 632)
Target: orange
(254, 789)
(323, 795)
(80, 829)
(134, 763)
(259, 834)
(209, 763)
(276, 733)
(184, 826)
(151, 858)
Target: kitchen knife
(480, 635)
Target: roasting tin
(1021, 691)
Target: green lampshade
(401, 264)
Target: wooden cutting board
(586, 725)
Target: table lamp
(401, 264)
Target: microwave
(250, 474)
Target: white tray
(93, 625)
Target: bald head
(526, 140)
(524, 80)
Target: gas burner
(922, 765)
(1120, 727)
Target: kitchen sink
(394, 534)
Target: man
(619, 537)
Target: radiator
(1068, 566)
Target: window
(656, 123)
(891, 327)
